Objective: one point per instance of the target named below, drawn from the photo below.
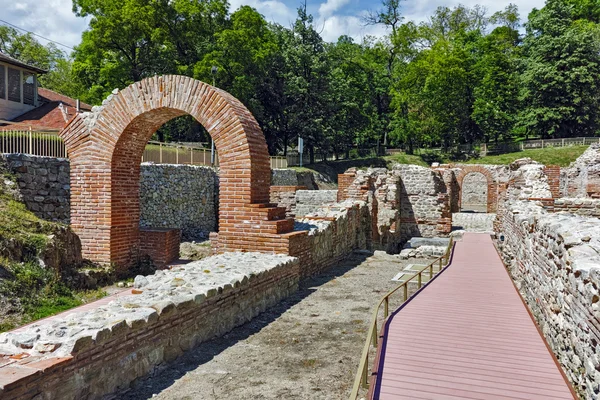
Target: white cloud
(331, 6)
(353, 26)
(272, 10)
(53, 19)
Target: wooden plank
(467, 335)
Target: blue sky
(55, 20)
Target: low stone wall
(585, 207)
(333, 232)
(179, 196)
(310, 201)
(285, 196)
(44, 184)
(89, 354)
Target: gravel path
(307, 347)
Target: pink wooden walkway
(467, 335)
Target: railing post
(374, 335)
(420, 279)
(431, 271)
(30, 141)
(405, 292)
(386, 309)
(440, 268)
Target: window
(2, 82)
(29, 89)
(14, 85)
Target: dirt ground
(307, 347)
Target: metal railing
(49, 144)
(362, 376)
(46, 144)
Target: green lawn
(562, 156)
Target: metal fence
(49, 144)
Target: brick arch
(106, 146)
(492, 184)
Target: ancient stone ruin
(545, 220)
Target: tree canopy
(461, 77)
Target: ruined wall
(285, 196)
(555, 262)
(474, 190)
(424, 202)
(554, 259)
(310, 201)
(179, 196)
(582, 178)
(83, 355)
(43, 183)
(584, 207)
(333, 233)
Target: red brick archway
(106, 145)
(492, 185)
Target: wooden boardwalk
(467, 335)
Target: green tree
(497, 90)
(561, 73)
(129, 40)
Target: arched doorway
(474, 192)
(106, 146)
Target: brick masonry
(161, 245)
(105, 148)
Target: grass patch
(562, 156)
(33, 292)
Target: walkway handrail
(361, 379)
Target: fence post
(563, 143)
(176, 154)
(522, 147)
(160, 152)
(191, 156)
(30, 141)
(542, 143)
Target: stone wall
(331, 234)
(44, 184)
(310, 201)
(554, 259)
(555, 262)
(424, 203)
(171, 196)
(582, 178)
(285, 196)
(284, 177)
(92, 353)
(584, 207)
(474, 190)
(179, 196)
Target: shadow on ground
(164, 377)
